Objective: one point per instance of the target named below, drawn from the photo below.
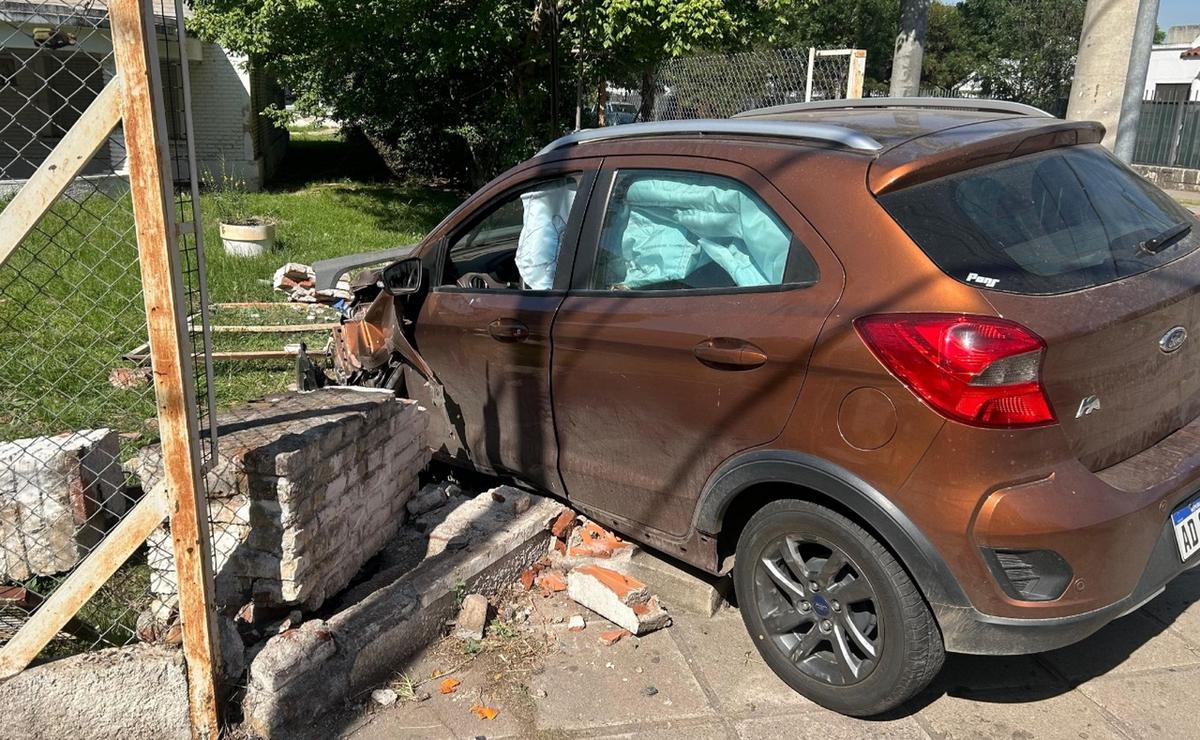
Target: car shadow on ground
(1126, 644)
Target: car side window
(516, 245)
(677, 230)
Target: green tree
(1025, 51)
(858, 24)
(461, 88)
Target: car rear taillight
(975, 369)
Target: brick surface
(296, 502)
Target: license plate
(1186, 521)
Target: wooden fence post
(150, 182)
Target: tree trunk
(648, 89)
(601, 101)
(910, 48)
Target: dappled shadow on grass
(318, 159)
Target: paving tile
(1156, 705)
(590, 685)
(1016, 717)
(828, 725)
(730, 664)
(1132, 643)
(1179, 607)
(708, 729)
(413, 722)
(964, 675)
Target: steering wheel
(481, 281)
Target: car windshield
(1052, 222)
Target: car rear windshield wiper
(1158, 243)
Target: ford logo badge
(1173, 339)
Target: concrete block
(472, 618)
(57, 497)
(624, 601)
(134, 693)
(679, 588)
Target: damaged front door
(485, 325)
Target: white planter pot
(247, 241)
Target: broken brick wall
(58, 495)
(306, 489)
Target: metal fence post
(812, 60)
(150, 183)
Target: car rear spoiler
(973, 145)
(329, 271)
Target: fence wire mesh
(74, 410)
(722, 85)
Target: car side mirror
(403, 277)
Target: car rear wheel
(832, 612)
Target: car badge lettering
(1173, 339)
(1087, 406)
(975, 277)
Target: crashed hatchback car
(917, 372)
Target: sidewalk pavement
(702, 678)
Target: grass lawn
(71, 306)
(70, 300)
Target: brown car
(916, 371)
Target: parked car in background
(918, 372)
(617, 113)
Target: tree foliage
(462, 88)
(1022, 51)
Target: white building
(1174, 72)
(56, 55)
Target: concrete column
(1110, 75)
(910, 48)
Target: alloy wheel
(819, 609)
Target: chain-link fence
(721, 85)
(74, 408)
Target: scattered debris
(126, 378)
(432, 496)
(384, 697)
(472, 618)
(576, 623)
(612, 637)
(622, 600)
(551, 582)
(563, 525)
(449, 685)
(483, 712)
(299, 282)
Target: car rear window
(1051, 222)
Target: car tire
(863, 641)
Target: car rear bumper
(967, 630)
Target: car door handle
(508, 330)
(727, 353)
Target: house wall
(1166, 67)
(48, 90)
(228, 129)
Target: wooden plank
(270, 329)
(270, 304)
(266, 355)
(166, 320)
(56, 611)
(64, 162)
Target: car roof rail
(988, 106)
(823, 132)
